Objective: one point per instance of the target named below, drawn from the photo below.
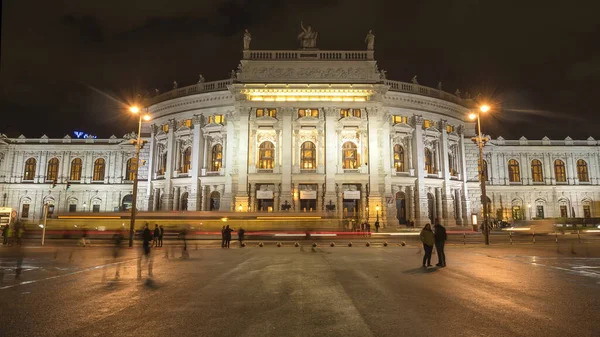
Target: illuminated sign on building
(83, 135)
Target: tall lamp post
(138, 145)
(377, 210)
(480, 140)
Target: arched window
(484, 171)
(266, 155)
(52, 171)
(582, 171)
(514, 171)
(349, 156)
(308, 156)
(399, 158)
(29, 173)
(429, 162)
(559, 171)
(99, 168)
(217, 158)
(536, 171)
(187, 160)
(76, 165)
(163, 163)
(131, 169)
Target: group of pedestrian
(157, 236)
(431, 239)
(226, 236)
(13, 234)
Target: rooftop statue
(414, 80)
(201, 79)
(175, 85)
(370, 40)
(247, 39)
(308, 37)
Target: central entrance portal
(401, 207)
(265, 201)
(308, 197)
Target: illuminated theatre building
(306, 131)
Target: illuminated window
(349, 113)
(449, 128)
(266, 112)
(308, 156)
(514, 171)
(266, 155)
(99, 166)
(217, 157)
(187, 160)
(216, 119)
(76, 165)
(582, 171)
(186, 122)
(52, 171)
(484, 171)
(399, 119)
(559, 171)
(350, 156)
(29, 173)
(429, 167)
(399, 158)
(131, 169)
(536, 171)
(427, 124)
(163, 164)
(308, 113)
(165, 127)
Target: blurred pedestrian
(20, 233)
(183, 236)
(223, 237)
(440, 241)
(428, 242)
(146, 239)
(5, 235)
(228, 235)
(160, 235)
(376, 226)
(241, 233)
(368, 228)
(155, 236)
(117, 240)
(83, 240)
(9, 235)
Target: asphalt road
(503, 290)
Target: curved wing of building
(307, 131)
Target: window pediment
(266, 121)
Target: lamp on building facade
(480, 140)
(138, 145)
(377, 210)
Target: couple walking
(429, 238)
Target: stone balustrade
(328, 55)
(191, 90)
(425, 91)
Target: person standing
(376, 226)
(228, 235)
(160, 235)
(146, 239)
(440, 241)
(5, 235)
(223, 237)
(428, 241)
(155, 236)
(241, 233)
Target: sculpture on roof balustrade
(370, 40)
(308, 37)
(247, 39)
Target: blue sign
(83, 135)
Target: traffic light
(54, 183)
(68, 186)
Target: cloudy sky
(73, 64)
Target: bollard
(510, 236)
(402, 243)
(578, 237)
(278, 244)
(368, 244)
(314, 244)
(385, 243)
(332, 244)
(464, 239)
(533, 237)
(349, 244)
(260, 244)
(296, 244)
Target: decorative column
(176, 198)
(330, 155)
(157, 199)
(340, 202)
(438, 204)
(252, 207)
(421, 204)
(410, 155)
(205, 154)
(363, 203)
(195, 194)
(151, 169)
(241, 195)
(458, 201)
(464, 200)
(168, 197)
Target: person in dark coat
(228, 235)
(241, 233)
(160, 235)
(428, 241)
(155, 236)
(376, 226)
(5, 235)
(440, 241)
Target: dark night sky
(65, 62)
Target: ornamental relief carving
(341, 73)
(264, 136)
(350, 136)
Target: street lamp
(138, 144)
(480, 143)
(377, 210)
(240, 208)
